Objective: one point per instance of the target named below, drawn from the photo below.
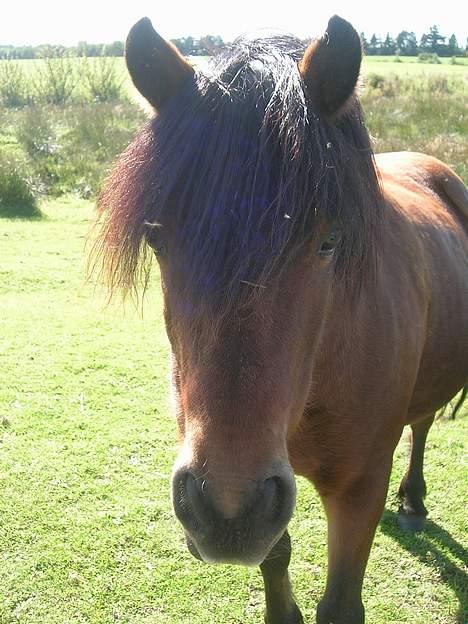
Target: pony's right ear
(157, 68)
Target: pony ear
(156, 67)
(330, 66)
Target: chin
(219, 554)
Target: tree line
(191, 46)
(405, 44)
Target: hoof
(411, 522)
(295, 617)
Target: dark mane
(246, 169)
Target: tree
(452, 48)
(210, 44)
(116, 48)
(374, 45)
(433, 41)
(82, 48)
(189, 45)
(407, 43)
(388, 46)
(365, 44)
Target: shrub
(69, 149)
(35, 133)
(425, 114)
(55, 79)
(96, 134)
(429, 57)
(387, 86)
(17, 199)
(439, 84)
(101, 79)
(13, 84)
(375, 81)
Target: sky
(32, 22)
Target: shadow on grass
(430, 547)
(12, 216)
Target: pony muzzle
(235, 520)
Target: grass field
(410, 66)
(87, 440)
(87, 534)
(68, 148)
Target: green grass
(424, 113)
(69, 148)
(409, 66)
(87, 440)
(79, 71)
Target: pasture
(68, 148)
(87, 439)
(411, 66)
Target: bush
(439, 84)
(35, 133)
(69, 149)
(428, 57)
(55, 80)
(387, 86)
(97, 133)
(375, 81)
(17, 199)
(426, 113)
(101, 78)
(12, 84)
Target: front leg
(353, 515)
(281, 607)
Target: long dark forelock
(245, 169)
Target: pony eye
(328, 246)
(153, 238)
(158, 246)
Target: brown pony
(316, 300)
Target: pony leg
(412, 512)
(353, 515)
(281, 607)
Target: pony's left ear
(157, 68)
(330, 66)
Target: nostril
(188, 499)
(272, 495)
(180, 493)
(201, 509)
(192, 487)
(278, 497)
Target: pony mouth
(222, 553)
(193, 550)
(245, 539)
